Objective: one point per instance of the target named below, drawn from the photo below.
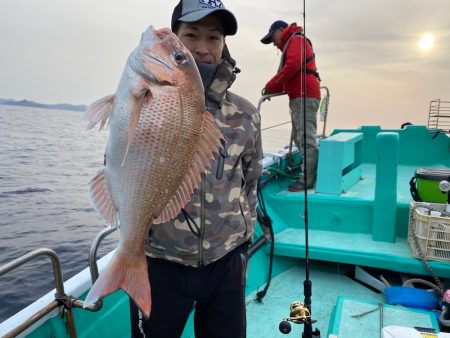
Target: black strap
(308, 59)
(189, 219)
(264, 219)
(312, 57)
(413, 189)
(310, 71)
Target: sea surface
(47, 158)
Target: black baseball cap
(195, 10)
(273, 27)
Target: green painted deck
(367, 224)
(340, 228)
(357, 249)
(328, 283)
(332, 292)
(347, 323)
(330, 287)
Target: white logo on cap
(212, 3)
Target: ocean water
(47, 158)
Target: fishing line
(276, 125)
(307, 284)
(305, 161)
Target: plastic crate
(429, 233)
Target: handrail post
(266, 97)
(93, 267)
(60, 296)
(57, 272)
(325, 112)
(33, 254)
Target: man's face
(276, 37)
(204, 39)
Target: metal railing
(266, 98)
(323, 109)
(57, 272)
(439, 115)
(94, 248)
(61, 299)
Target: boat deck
(357, 249)
(341, 227)
(335, 296)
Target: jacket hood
(288, 32)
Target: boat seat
(354, 248)
(339, 163)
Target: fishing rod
(300, 313)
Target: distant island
(32, 104)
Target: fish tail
(127, 273)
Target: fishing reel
(299, 314)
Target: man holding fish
(181, 177)
(199, 259)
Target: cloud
(366, 51)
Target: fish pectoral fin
(210, 142)
(100, 197)
(136, 104)
(128, 273)
(99, 111)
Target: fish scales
(151, 156)
(161, 139)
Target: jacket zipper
(202, 220)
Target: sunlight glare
(426, 42)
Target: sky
(367, 52)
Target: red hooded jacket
(289, 77)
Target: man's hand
(264, 91)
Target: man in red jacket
(291, 41)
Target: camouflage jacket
(222, 212)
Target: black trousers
(216, 291)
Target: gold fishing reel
(299, 314)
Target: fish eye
(180, 58)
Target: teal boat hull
(363, 224)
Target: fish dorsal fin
(101, 198)
(210, 142)
(99, 111)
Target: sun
(426, 42)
